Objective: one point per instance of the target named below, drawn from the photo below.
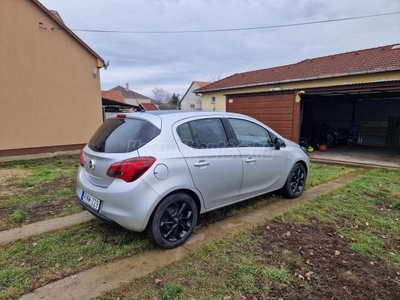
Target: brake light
(121, 116)
(131, 169)
(81, 160)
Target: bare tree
(161, 96)
(215, 76)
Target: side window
(250, 134)
(203, 134)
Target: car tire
(295, 182)
(173, 221)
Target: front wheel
(173, 221)
(295, 182)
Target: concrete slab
(91, 283)
(39, 155)
(25, 231)
(359, 155)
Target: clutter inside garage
(332, 120)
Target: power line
(238, 29)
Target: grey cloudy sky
(173, 61)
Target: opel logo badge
(91, 164)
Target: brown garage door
(276, 111)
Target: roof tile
(149, 106)
(384, 58)
(113, 95)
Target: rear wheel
(173, 221)
(295, 182)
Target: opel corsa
(157, 171)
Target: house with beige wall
(49, 82)
(356, 94)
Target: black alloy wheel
(295, 182)
(173, 221)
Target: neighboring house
(113, 103)
(49, 83)
(192, 100)
(357, 94)
(132, 97)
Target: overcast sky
(172, 61)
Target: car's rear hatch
(117, 139)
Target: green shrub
(396, 205)
(18, 216)
(172, 291)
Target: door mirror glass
(278, 143)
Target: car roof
(156, 117)
(181, 114)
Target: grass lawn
(36, 190)
(33, 262)
(341, 245)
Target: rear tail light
(131, 169)
(81, 160)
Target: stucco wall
(48, 94)
(220, 104)
(191, 101)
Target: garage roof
(380, 59)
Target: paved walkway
(91, 283)
(39, 155)
(25, 231)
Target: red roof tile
(380, 59)
(202, 83)
(149, 106)
(129, 94)
(113, 95)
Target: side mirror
(278, 143)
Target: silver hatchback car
(157, 171)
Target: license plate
(93, 202)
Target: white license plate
(93, 202)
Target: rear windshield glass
(122, 135)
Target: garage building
(347, 98)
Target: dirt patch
(7, 186)
(324, 265)
(37, 211)
(7, 174)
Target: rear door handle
(201, 163)
(250, 160)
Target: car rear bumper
(96, 214)
(126, 204)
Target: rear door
(214, 164)
(263, 166)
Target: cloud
(173, 61)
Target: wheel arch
(304, 165)
(192, 194)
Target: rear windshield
(122, 135)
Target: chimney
(127, 87)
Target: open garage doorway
(359, 125)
